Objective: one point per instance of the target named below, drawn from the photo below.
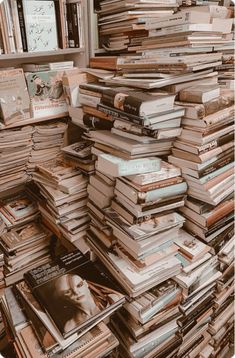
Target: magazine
(74, 291)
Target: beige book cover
(14, 97)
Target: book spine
(65, 27)
(120, 115)
(71, 41)
(215, 143)
(75, 24)
(218, 179)
(9, 24)
(220, 211)
(220, 240)
(161, 184)
(216, 165)
(220, 116)
(122, 101)
(60, 31)
(217, 105)
(22, 25)
(16, 25)
(162, 193)
(97, 123)
(192, 97)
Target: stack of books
(204, 150)
(146, 26)
(221, 326)
(21, 149)
(198, 281)
(226, 69)
(172, 49)
(15, 149)
(79, 155)
(147, 326)
(25, 242)
(213, 225)
(138, 244)
(90, 117)
(64, 192)
(122, 23)
(2, 283)
(24, 247)
(18, 209)
(86, 294)
(47, 142)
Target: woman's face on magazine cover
(74, 289)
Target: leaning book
(77, 285)
(14, 97)
(46, 93)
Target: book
(40, 25)
(166, 171)
(177, 187)
(46, 93)
(85, 291)
(14, 97)
(200, 94)
(116, 167)
(137, 103)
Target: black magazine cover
(73, 291)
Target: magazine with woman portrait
(74, 292)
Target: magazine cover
(74, 291)
(46, 93)
(14, 97)
(18, 207)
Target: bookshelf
(32, 121)
(29, 55)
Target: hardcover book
(46, 93)
(40, 25)
(14, 97)
(79, 286)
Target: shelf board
(32, 121)
(21, 55)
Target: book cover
(14, 97)
(46, 93)
(78, 286)
(40, 25)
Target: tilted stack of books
(15, 149)
(133, 230)
(47, 142)
(173, 49)
(198, 281)
(204, 150)
(122, 23)
(79, 155)
(21, 149)
(147, 325)
(25, 242)
(64, 192)
(222, 324)
(59, 308)
(176, 56)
